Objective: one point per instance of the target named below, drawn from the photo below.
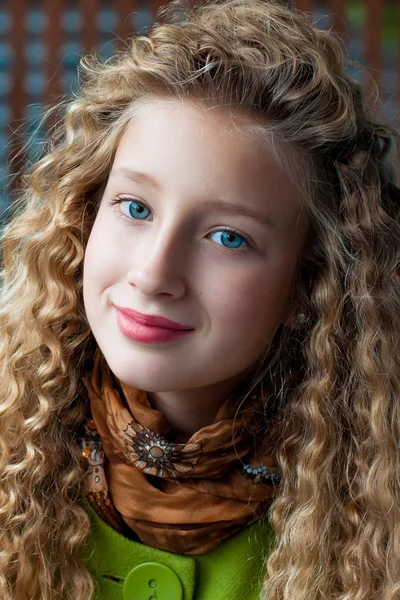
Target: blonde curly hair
(336, 380)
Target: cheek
(97, 274)
(102, 259)
(91, 265)
(249, 305)
(90, 285)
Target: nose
(159, 266)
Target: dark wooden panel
(305, 5)
(373, 40)
(125, 8)
(18, 94)
(398, 74)
(53, 39)
(337, 9)
(17, 40)
(89, 36)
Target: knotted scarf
(183, 498)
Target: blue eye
(229, 239)
(136, 209)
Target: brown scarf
(183, 498)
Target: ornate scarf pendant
(155, 455)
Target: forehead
(204, 122)
(204, 152)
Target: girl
(200, 327)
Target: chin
(162, 373)
(144, 375)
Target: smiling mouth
(152, 320)
(149, 334)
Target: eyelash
(120, 199)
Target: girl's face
(198, 226)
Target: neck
(187, 411)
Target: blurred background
(42, 41)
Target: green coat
(232, 571)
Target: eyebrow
(140, 178)
(136, 176)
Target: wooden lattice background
(41, 42)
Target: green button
(152, 581)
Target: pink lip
(135, 329)
(151, 320)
